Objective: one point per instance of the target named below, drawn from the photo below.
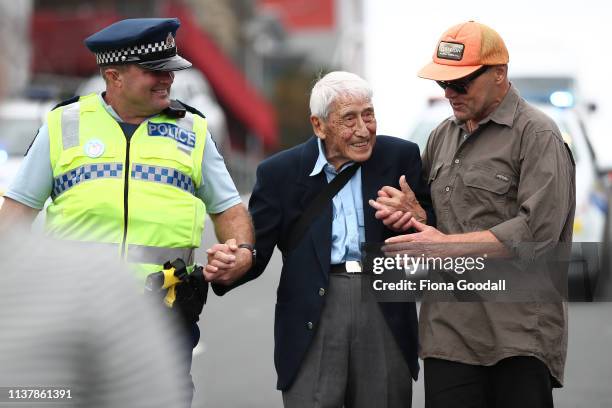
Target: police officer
(131, 168)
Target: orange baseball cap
(463, 49)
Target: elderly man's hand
(226, 262)
(397, 207)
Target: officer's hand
(221, 258)
(226, 262)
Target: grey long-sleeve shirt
(515, 177)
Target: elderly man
(333, 346)
(499, 174)
(132, 169)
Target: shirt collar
(322, 162)
(506, 111)
(108, 108)
(504, 114)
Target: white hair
(333, 85)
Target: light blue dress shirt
(348, 228)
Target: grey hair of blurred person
(333, 85)
(72, 317)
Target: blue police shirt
(348, 228)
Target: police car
(591, 198)
(20, 120)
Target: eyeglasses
(461, 85)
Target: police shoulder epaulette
(67, 102)
(191, 109)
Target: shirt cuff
(516, 236)
(25, 200)
(224, 205)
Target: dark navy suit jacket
(283, 190)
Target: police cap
(148, 42)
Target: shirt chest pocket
(487, 185)
(485, 196)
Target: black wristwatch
(251, 248)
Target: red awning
(230, 85)
(300, 15)
(57, 47)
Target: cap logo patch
(170, 41)
(450, 50)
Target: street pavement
(233, 365)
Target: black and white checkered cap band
(144, 52)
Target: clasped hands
(399, 210)
(227, 262)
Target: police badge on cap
(148, 42)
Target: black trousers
(514, 382)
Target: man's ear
(318, 126)
(501, 73)
(113, 76)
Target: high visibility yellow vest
(137, 196)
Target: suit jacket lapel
(321, 238)
(308, 187)
(372, 172)
(320, 232)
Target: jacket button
(322, 292)
(309, 325)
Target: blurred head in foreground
(72, 318)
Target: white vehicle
(591, 199)
(20, 120)
(189, 86)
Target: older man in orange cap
(499, 174)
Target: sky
(543, 37)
